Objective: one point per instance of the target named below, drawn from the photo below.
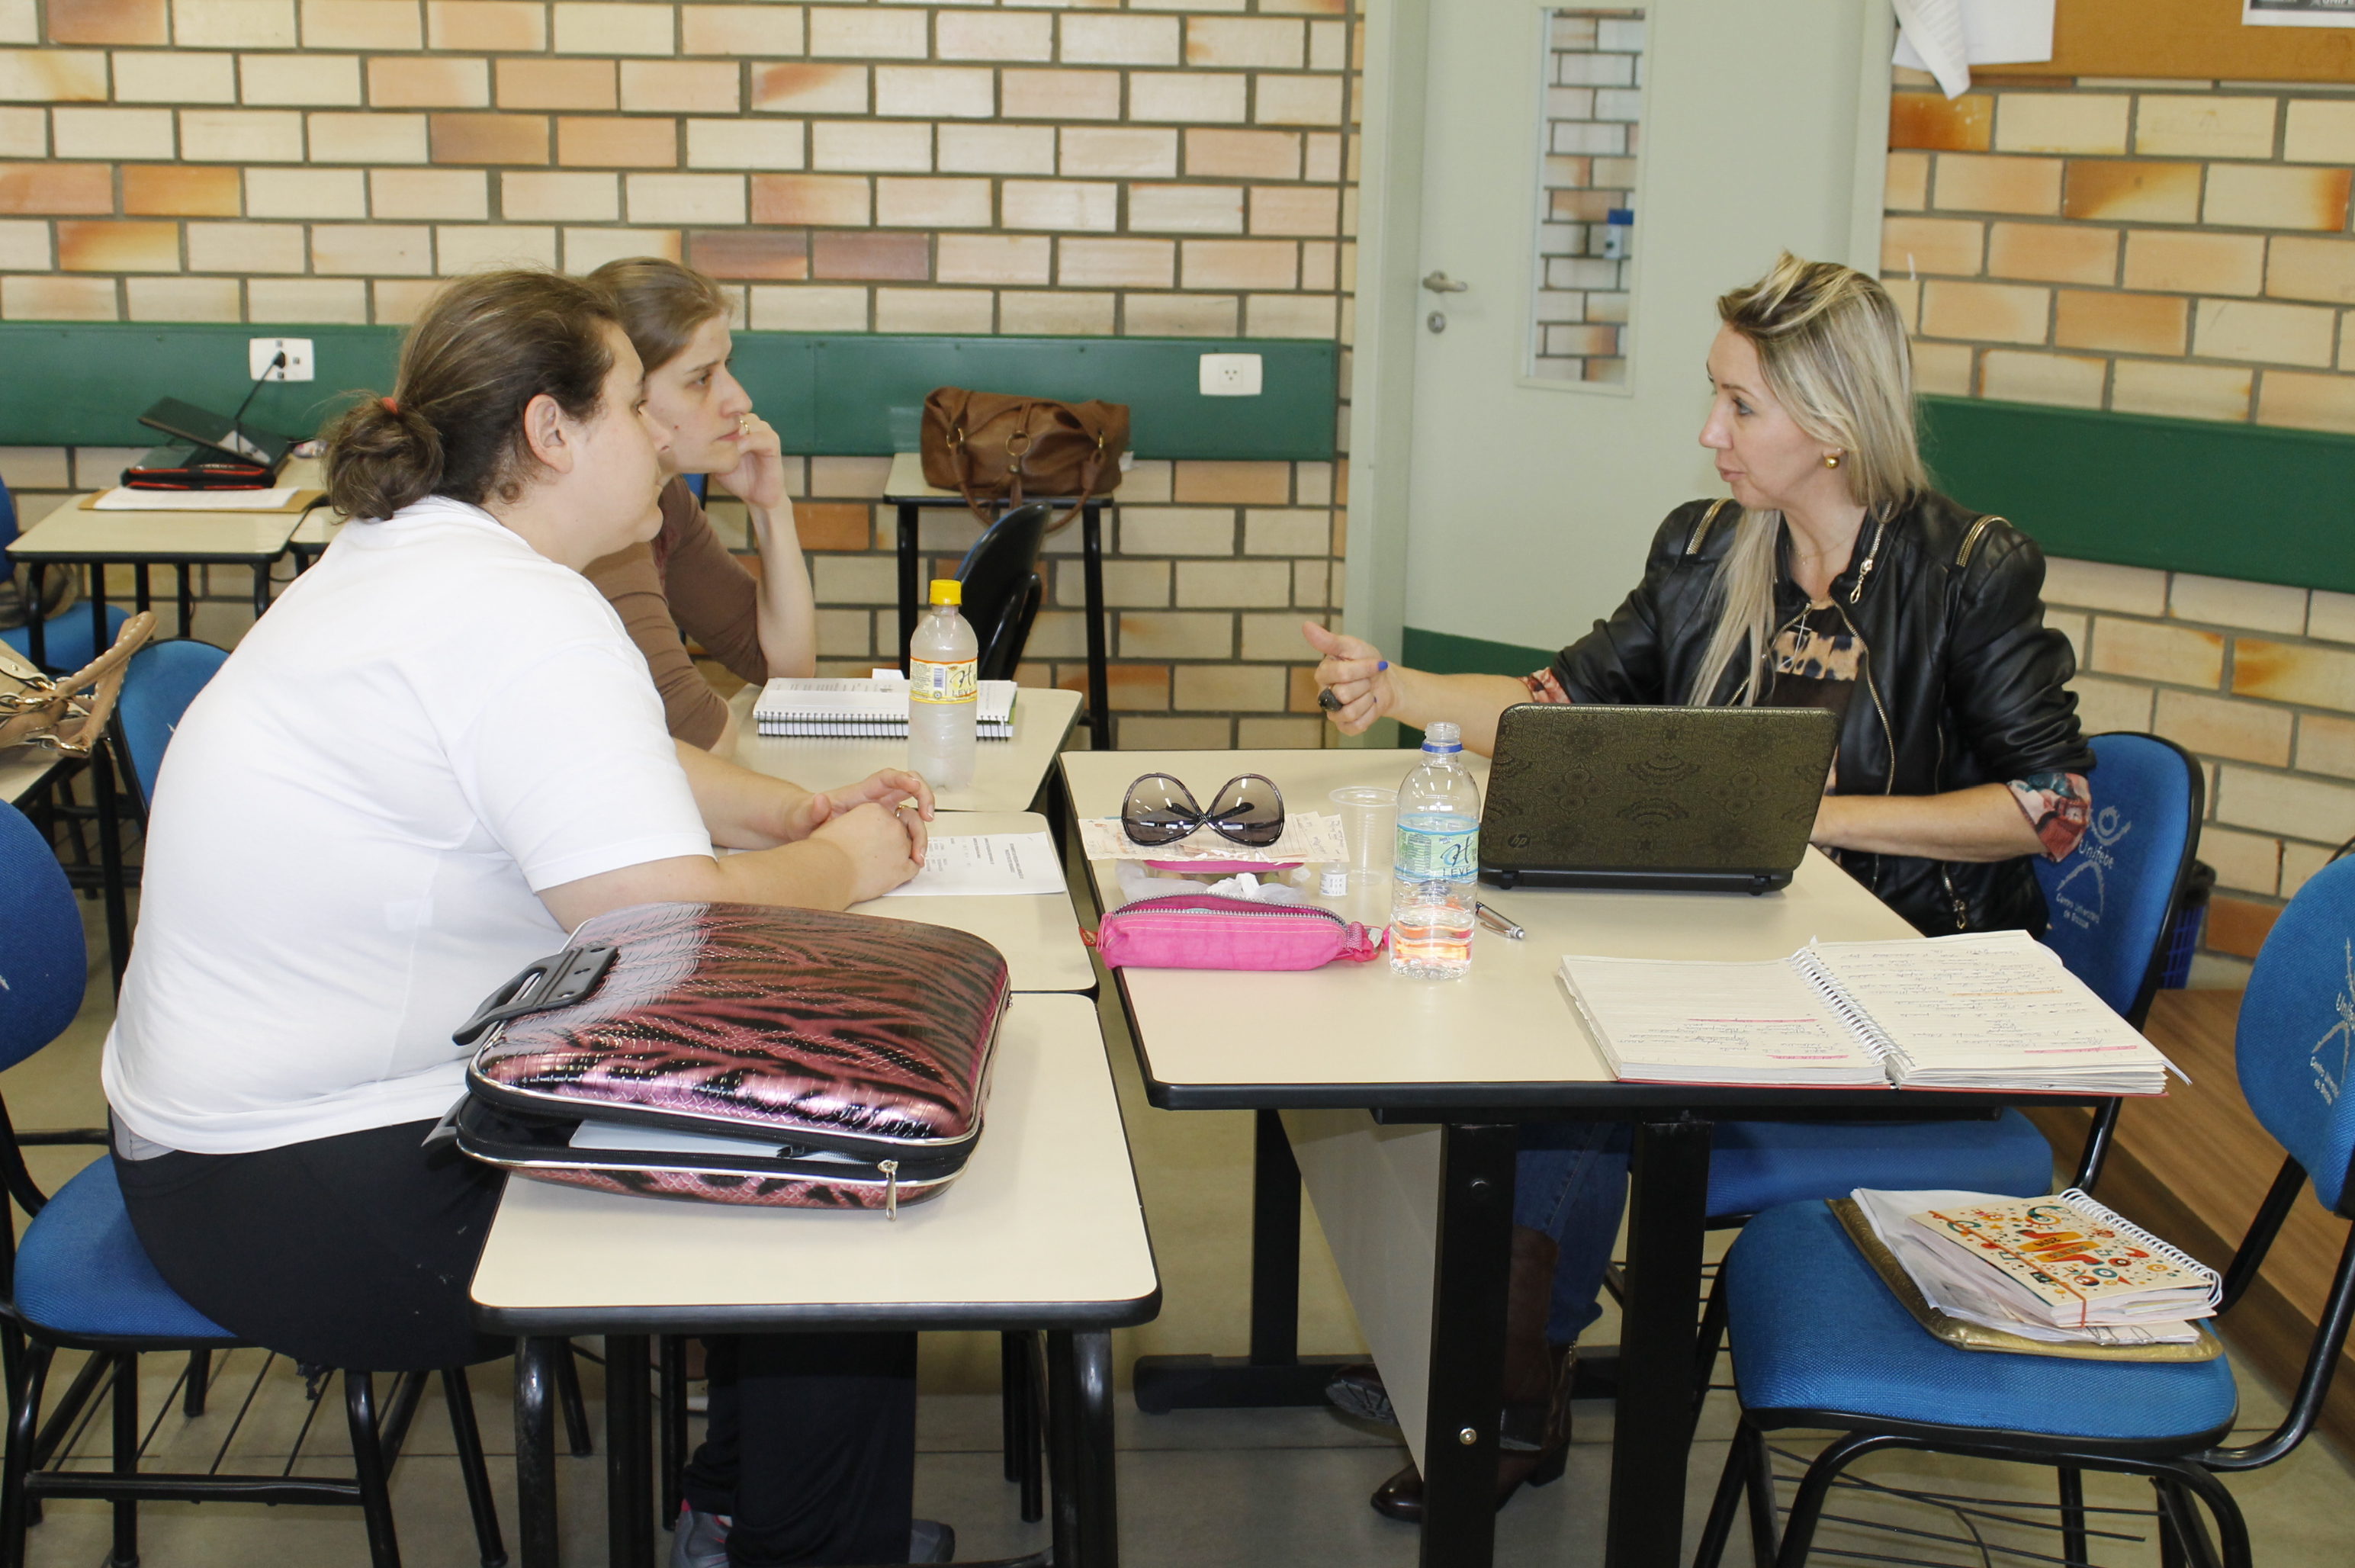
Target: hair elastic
(390, 407)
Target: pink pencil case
(1202, 931)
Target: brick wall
(1090, 170)
(2175, 248)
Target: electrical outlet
(1231, 375)
(300, 365)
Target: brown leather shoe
(1401, 1497)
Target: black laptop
(1660, 799)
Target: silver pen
(1497, 923)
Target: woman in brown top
(685, 583)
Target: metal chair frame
(2180, 1472)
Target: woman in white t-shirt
(437, 753)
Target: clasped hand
(877, 822)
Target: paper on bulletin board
(1308, 836)
(1946, 37)
(2297, 13)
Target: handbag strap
(73, 710)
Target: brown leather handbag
(1000, 447)
(68, 714)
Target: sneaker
(699, 1540)
(930, 1540)
(1359, 1391)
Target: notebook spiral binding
(2085, 1203)
(1860, 1023)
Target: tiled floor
(1205, 1489)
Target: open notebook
(873, 708)
(1992, 1010)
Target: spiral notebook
(1987, 1010)
(874, 709)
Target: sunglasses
(1247, 810)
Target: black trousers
(811, 1447)
(352, 1252)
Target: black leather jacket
(1962, 683)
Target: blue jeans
(1571, 1182)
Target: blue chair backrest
(162, 680)
(43, 959)
(7, 520)
(699, 485)
(2109, 899)
(2297, 1039)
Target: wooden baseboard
(2194, 1167)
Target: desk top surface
(1006, 776)
(906, 482)
(994, 1250)
(1504, 1035)
(1037, 933)
(70, 533)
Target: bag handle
(567, 976)
(53, 713)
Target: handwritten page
(1669, 1020)
(1953, 1008)
(964, 865)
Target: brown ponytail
(487, 347)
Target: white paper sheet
(962, 865)
(2297, 13)
(1308, 836)
(123, 500)
(1946, 37)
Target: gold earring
(1831, 460)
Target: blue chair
(70, 641)
(2111, 900)
(1818, 1342)
(79, 1279)
(162, 680)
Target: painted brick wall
(1184, 169)
(2176, 248)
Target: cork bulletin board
(2179, 39)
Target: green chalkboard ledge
(2245, 501)
(83, 384)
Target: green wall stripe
(83, 384)
(2228, 500)
(1445, 653)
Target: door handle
(1441, 284)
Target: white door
(1517, 439)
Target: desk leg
(36, 645)
(188, 595)
(1275, 1373)
(99, 640)
(1099, 679)
(1668, 1209)
(1080, 1448)
(629, 1519)
(1469, 1267)
(908, 584)
(260, 589)
(140, 588)
(110, 860)
(534, 1430)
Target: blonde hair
(1832, 348)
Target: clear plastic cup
(1369, 829)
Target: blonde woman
(1834, 578)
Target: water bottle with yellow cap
(944, 690)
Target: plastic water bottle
(1437, 867)
(943, 692)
